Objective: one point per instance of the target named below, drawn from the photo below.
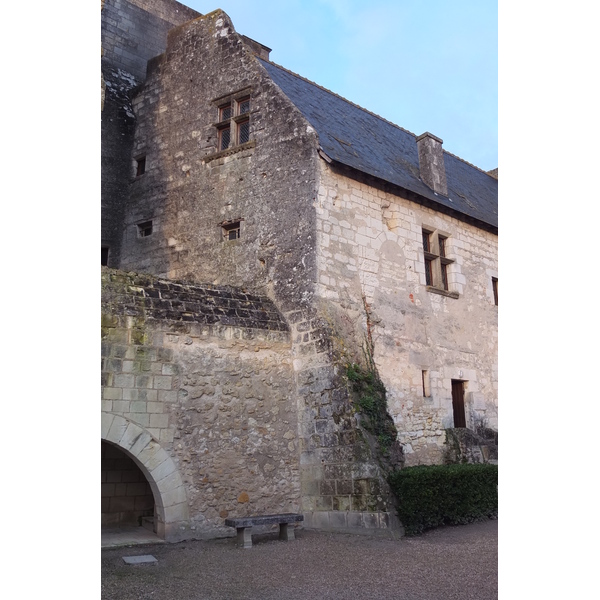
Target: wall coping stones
(135, 294)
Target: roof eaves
(414, 196)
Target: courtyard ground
(450, 563)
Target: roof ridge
(468, 163)
(338, 96)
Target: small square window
(225, 112)
(144, 229)
(231, 231)
(243, 106)
(140, 166)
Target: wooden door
(458, 403)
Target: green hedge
(430, 496)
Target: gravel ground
(450, 563)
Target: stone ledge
(435, 290)
(229, 151)
(355, 522)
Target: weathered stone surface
(231, 352)
(230, 425)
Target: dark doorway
(458, 403)
(126, 494)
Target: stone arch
(159, 468)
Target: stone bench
(244, 526)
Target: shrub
(430, 496)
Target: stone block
(159, 420)
(110, 393)
(140, 559)
(341, 503)
(320, 520)
(139, 488)
(371, 520)
(338, 520)
(117, 429)
(355, 519)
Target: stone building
(260, 236)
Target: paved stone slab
(136, 560)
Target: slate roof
(354, 137)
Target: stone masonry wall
(207, 373)
(270, 184)
(132, 32)
(190, 188)
(370, 244)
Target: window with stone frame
(436, 259)
(231, 229)
(233, 125)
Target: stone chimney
(431, 162)
(257, 48)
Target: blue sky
(424, 65)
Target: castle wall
(370, 244)
(132, 32)
(190, 188)
(204, 374)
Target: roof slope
(359, 139)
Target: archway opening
(127, 498)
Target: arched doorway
(158, 469)
(127, 498)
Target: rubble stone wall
(207, 373)
(269, 184)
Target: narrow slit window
(495, 289)
(144, 229)
(104, 256)
(428, 260)
(140, 167)
(426, 384)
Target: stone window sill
(229, 151)
(435, 290)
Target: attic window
(233, 126)
(144, 229)
(232, 230)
